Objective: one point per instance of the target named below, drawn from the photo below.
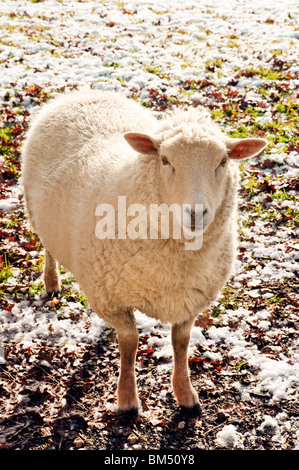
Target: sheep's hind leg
(128, 342)
(186, 395)
(51, 274)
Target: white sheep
(78, 155)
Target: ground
(58, 361)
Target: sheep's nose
(199, 214)
(196, 217)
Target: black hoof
(192, 411)
(54, 293)
(127, 416)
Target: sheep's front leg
(128, 343)
(184, 392)
(51, 274)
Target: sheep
(86, 148)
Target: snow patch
(229, 437)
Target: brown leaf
(204, 320)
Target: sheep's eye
(223, 162)
(165, 161)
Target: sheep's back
(71, 121)
(74, 147)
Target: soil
(54, 399)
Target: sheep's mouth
(193, 230)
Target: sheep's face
(193, 172)
(193, 176)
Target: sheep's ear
(142, 143)
(239, 149)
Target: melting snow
(126, 57)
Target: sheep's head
(193, 162)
